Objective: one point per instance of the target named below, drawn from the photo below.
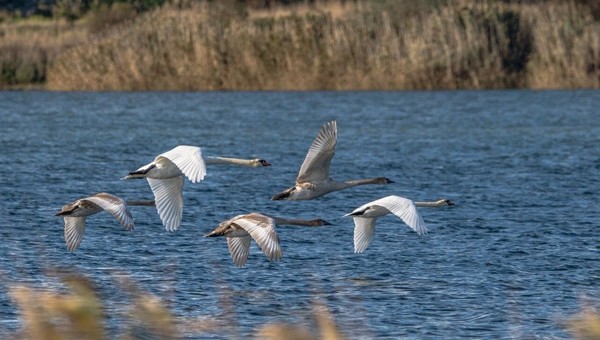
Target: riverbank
(330, 46)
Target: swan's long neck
(348, 184)
(440, 203)
(307, 223)
(225, 160)
(147, 203)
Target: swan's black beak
(449, 202)
(388, 181)
(264, 163)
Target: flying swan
(313, 178)
(76, 212)
(165, 175)
(261, 228)
(366, 215)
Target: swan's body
(241, 228)
(313, 178)
(165, 176)
(262, 229)
(366, 215)
(76, 212)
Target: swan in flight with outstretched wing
(366, 215)
(262, 229)
(165, 176)
(313, 178)
(75, 214)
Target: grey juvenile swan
(165, 176)
(313, 178)
(366, 215)
(261, 228)
(75, 214)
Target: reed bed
(331, 45)
(74, 310)
(26, 48)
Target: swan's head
(444, 202)
(319, 222)
(67, 209)
(260, 162)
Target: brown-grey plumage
(313, 178)
(238, 231)
(75, 214)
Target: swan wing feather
(239, 248)
(405, 209)
(74, 228)
(116, 206)
(168, 196)
(318, 159)
(188, 159)
(364, 228)
(262, 230)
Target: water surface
(516, 257)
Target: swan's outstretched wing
(364, 228)
(239, 248)
(262, 230)
(188, 159)
(317, 161)
(74, 228)
(169, 200)
(405, 209)
(114, 205)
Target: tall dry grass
(338, 46)
(76, 311)
(26, 47)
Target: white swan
(366, 215)
(313, 178)
(76, 212)
(165, 176)
(262, 229)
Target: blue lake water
(516, 257)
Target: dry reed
(27, 46)
(332, 45)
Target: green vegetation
(335, 45)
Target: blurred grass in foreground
(78, 313)
(333, 45)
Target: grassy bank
(336, 46)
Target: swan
(75, 213)
(165, 176)
(238, 231)
(313, 178)
(261, 228)
(366, 215)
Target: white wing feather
(405, 209)
(318, 159)
(364, 228)
(169, 200)
(189, 160)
